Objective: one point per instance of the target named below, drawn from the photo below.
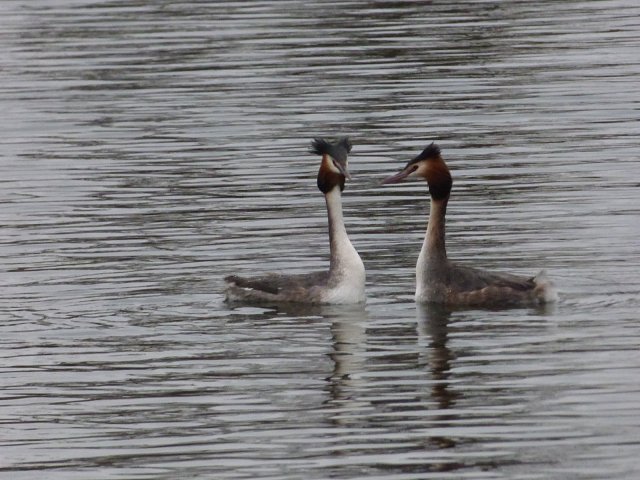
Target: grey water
(149, 148)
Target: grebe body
(344, 282)
(438, 280)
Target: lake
(151, 148)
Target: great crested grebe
(438, 280)
(344, 282)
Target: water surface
(151, 148)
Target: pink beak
(343, 170)
(400, 176)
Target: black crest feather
(320, 146)
(431, 151)
(345, 143)
(337, 150)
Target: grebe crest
(333, 168)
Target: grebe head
(430, 166)
(333, 169)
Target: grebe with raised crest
(344, 282)
(438, 280)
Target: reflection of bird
(344, 282)
(433, 335)
(440, 281)
(348, 385)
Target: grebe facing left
(344, 282)
(439, 280)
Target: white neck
(346, 267)
(434, 239)
(433, 255)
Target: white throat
(346, 271)
(433, 255)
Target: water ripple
(151, 149)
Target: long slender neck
(434, 242)
(432, 266)
(339, 242)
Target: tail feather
(262, 284)
(545, 290)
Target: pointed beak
(343, 170)
(400, 176)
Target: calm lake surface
(150, 148)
